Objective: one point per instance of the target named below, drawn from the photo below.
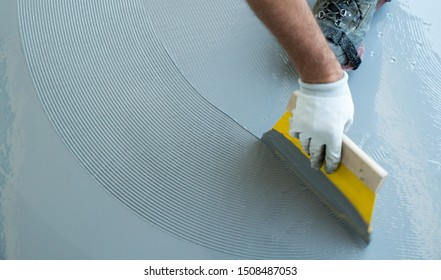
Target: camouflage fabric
(345, 24)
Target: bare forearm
(294, 26)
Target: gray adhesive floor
(130, 130)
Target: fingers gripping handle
(355, 159)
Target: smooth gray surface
(184, 179)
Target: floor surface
(130, 130)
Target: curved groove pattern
(136, 110)
(217, 60)
(137, 125)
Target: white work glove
(323, 112)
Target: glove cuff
(330, 89)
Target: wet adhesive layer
(138, 126)
(229, 58)
(134, 114)
(6, 119)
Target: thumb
(348, 125)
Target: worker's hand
(323, 112)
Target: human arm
(324, 107)
(296, 29)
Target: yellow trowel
(349, 192)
